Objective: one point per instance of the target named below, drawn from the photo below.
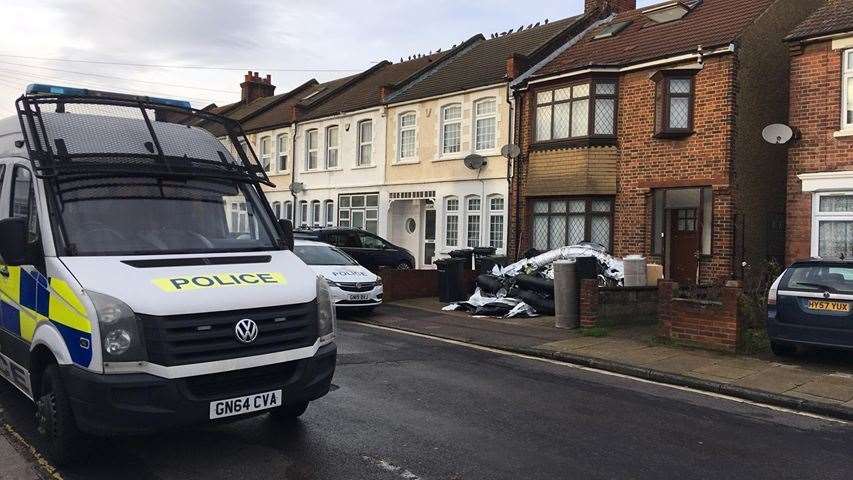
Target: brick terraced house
(644, 135)
(820, 163)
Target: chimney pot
(255, 87)
(609, 6)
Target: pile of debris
(526, 288)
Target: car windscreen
(833, 278)
(322, 255)
(152, 215)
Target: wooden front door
(684, 243)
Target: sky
(156, 47)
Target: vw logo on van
(246, 330)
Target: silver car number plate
(247, 404)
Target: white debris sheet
(502, 304)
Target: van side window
(21, 191)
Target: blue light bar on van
(37, 88)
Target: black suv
(371, 251)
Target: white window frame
(329, 209)
(303, 213)
(264, 149)
(276, 208)
(469, 212)
(362, 142)
(818, 217)
(309, 150)
(408, 128)
(330, 149)
(448, 213)
(282, 152)
(477, 118)
(445, 122)
(493, 213)
(316, 213)
(847, 74)
(287, 211)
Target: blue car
(810, 305)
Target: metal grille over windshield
(130, 136)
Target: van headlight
(120, 337)
(325, 310)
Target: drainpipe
(516, 166)
(294, 128)
(510, 101)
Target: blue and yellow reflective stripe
(28, 298)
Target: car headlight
(120, 337)
(378, 281)
(325, 309)
(331, 283)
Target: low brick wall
(711, 324)
(406, 284)
(610, 306)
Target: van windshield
(151, 215)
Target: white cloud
(298, 34)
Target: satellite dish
(296, 187)
(510, 151)
(777, 134)
(474, 161)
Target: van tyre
(55, 420)
(288, 413)
(782, 349)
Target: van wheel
(55, 420)
(782, 349)
(288, 413)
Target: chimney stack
(385, 92)
(609, 6)
(255, 87)
(515, 65)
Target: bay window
(473, 206)
(451, 222)
(485, 124)
(847, 92)
(496, 221)
(832, 230)
(566, 221)
(581, 110)
(451, 129)
(407, 131)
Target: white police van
(144, 282)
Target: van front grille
(207, 337)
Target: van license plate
(358, 296)
(828, 306)
(247, 404)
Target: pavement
(819, 381)
(13, 464)
(415, 408)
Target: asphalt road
(415, 408)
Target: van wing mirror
(13, 241)
(287, 232)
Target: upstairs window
(365, 143)
(582, 110)
(281, 140)
(266, 154)
(674, 106)
(407, 129)
(451, 129)
(847, 92)
(332, 147)
(311, 149)
(485, 124)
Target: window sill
(407, 162)
(335, 169)
(844, 133)
(449, 157)
(362, 167)
(673, 135)
(575, 143)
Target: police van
(144, 280)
